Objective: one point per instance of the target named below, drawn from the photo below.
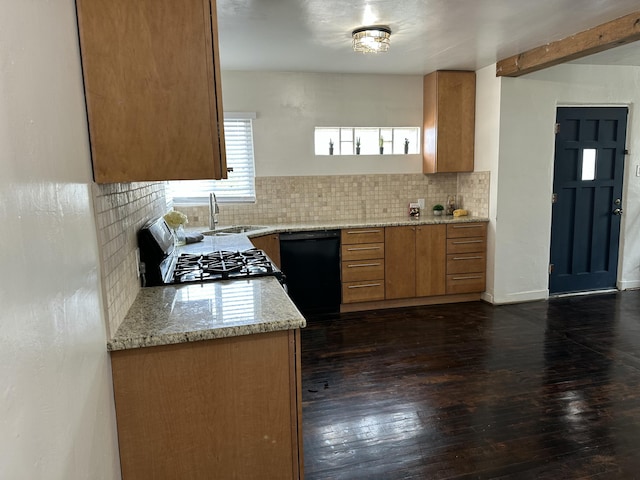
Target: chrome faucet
(214, 210)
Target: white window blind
(240, 186)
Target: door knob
(617, 211)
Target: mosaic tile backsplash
(120, 210)
(348, 197)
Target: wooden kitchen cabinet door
(431, 260)
(415, 261)
(153, 89)
(225, 408)
(400, 262)
(449, 121)
(270, 244)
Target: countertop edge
(197, 336)
(342, 224)
(284, 228)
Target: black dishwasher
(311, 264)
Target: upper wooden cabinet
(449, 121)
(153, 89)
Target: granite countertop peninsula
(204, 311)
(173, 314)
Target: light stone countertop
(203, 311)
(393, 221)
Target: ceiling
(427, 35)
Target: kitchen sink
(233, 230)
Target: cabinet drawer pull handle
(362, 232)
(471, 277)
(467, 226)
(467, 241)
(364, 265)
(365, 285)
(355, 249)
(468, 258)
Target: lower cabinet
(466, 257)
(225, 408)
(415, 262)
(270, 244)
(431, 242)
(362, 252)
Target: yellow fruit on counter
(460, 213)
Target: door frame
(625, 188)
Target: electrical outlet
(637, 170)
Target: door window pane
(588, 164)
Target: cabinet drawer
(351, 236)
(466, 244)
(367, 291)
(362, 251)
(466, 263)
(465, 283)
(363, 270)
(474, 229)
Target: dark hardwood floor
(544, 390)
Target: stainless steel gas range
(165, 265)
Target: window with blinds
(240, 186)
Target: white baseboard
(521, 297)
(487, 297)
(532, 296)
(628, 284)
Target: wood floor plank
(535, 390)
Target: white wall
(486, 150)
(56, 409)
(290, 105)
(525, 174)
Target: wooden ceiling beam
(617, 32)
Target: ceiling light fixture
(371, 39)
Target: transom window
(367, 140)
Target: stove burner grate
(222, 265)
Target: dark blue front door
(587, 186)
